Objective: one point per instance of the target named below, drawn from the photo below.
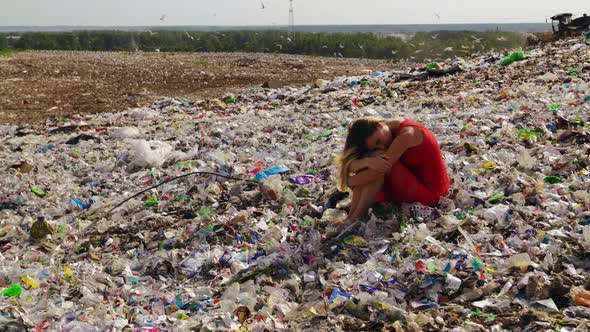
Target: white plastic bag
(125, 132)
(148, 154)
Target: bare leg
(356, 194)
(365, 196)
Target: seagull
(434, 36)
(151, 32)
(437, 15)
(188, 35)
(340, 45)
(394, 52)
(163, 17)
(477, 40)
(361, 47)
(324, 46)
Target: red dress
(419, 175)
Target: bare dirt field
(38, 85)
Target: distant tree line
(422, 46)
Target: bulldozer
(563, 25)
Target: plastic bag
(148, 154)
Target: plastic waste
(513, 57)
(148, 154)
(271, 171)
(14, 290)
(215, 253)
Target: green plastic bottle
(151, 202)
(515, 56)
(37, 191)
(552, 179)
(13, 291)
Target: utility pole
(291, 19)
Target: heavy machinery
(564, 26)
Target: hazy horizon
(275, 12)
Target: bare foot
(345, 204)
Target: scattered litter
(241, 244)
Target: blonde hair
(354, 147)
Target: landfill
(98, 235)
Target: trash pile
(240, 244)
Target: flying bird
(477, 40)
(289, 39)
(434, 36)
(324, 46)
(188, 35)
(394, 52)
(151, 32)
(279, 46)
(163, 17)
(501, 38)
(341, 46)
(437, 15)
(262, 3)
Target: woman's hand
(381, 164)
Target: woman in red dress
(391, 161)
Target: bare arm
(358, 165)
(363, 172)
(364, 177)
(408, 137)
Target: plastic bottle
(14, 290)
(513, 57)
(552, 179)
(522, 261)
(583, 298)
(334, 215)
(158, 307)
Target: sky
(275, 12)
